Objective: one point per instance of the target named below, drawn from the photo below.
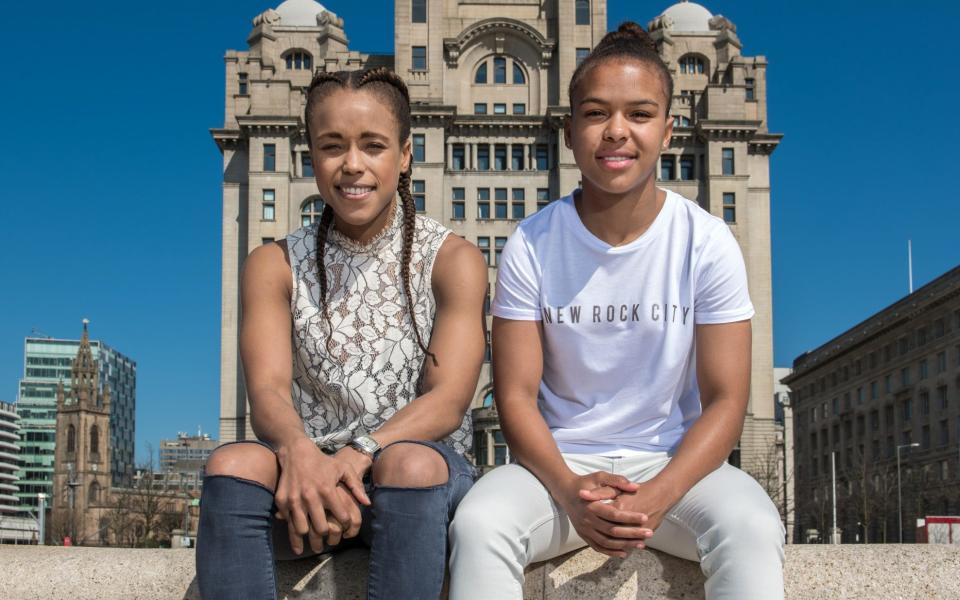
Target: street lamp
(899, 495)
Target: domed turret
(688, 16)
(299, 13)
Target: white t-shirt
(619, 369)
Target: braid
(393, 90)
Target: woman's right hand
(612, 539)
(311, 485)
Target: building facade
(9, 458)
(488, 84)
(865, 398)
(187, 454)
(47, 362)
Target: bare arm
(459, 286)
(517, 370)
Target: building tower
(81, 479)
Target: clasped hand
(613, 515)
(319, 496)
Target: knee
(245, 461)
(410, 465)
(751, 527)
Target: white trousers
(726, 522)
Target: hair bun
(634, 32)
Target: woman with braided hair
(621, 364)
(362, 420)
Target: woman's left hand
(359, 461)
(650, 499)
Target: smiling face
(357, 158)
(619, 125)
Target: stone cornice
(454, 47)
(269, 124)
(226, 139)
(940, 290)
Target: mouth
(355, 192)
(616, 162)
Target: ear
(567, 136)
(667, 133)
(406, 155)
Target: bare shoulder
(459, 268)
(268, 267)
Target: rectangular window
(922, 336)
(419, 58)
(306, 165)
(582, 8)
(419, 147)
(888, 415)
(480, 108)
(859, 395)
(924, 403)
(686, 168)
(938, 328)
(668, 166)
(925, 437)
(582, 54)
(905, 376)
(242, 84)
(459, 203)
(483, 157)
(499, 108)
(418, 11)
(874, 420)
(269, 206)
(888, 383)
(543, 197)
(500, 157)
(516, 157)
(501, 453)
(484, 244)
(902, 345)
(924, 370)
(941, 362)
(942, 397)
(269, 157)
(483, 203)
(729, 207)
(266, 240)
(420, 195)
(874, 390)
(944, 433)
(518, 208)
(728, 161)
(519, 108)
(907, 409)
(500, 203)
(542, 156)
(749, 86)
(499, 243)
(459, 158)
(836, 406)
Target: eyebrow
(339, 136)
(601, 101)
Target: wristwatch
(365, 445)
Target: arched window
(71, 439)
(488, 399)
(481, 76)
(691, 65)
(94, 440)
(681, 121)
(299, 60)
(518, 76)
(93, 493)
(311, 210)
(499, 69)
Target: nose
(352, 160)
(615, 130)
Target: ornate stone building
(81, 476)
(488, 82)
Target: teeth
(616, 158)
(356, 190)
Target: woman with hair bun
(621, 355)
(362, 339)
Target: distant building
(488, 84)
(868, 395)
(186, 454)
(783, 415)
(9, 458)
(47, 362)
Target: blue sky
(110, 203)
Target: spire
(84, 384)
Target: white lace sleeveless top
(372, 366)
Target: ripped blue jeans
(239, 537)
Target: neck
(618, 219)
(367, 231)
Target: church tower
(81, 478)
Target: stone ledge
(815, 572)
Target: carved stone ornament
(328, 18)
(267, 17)
(661, 22)
(721, 23)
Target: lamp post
(899, 495)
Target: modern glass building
(46, 363)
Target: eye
(640, 115)
(330, 147)
(593, 113)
